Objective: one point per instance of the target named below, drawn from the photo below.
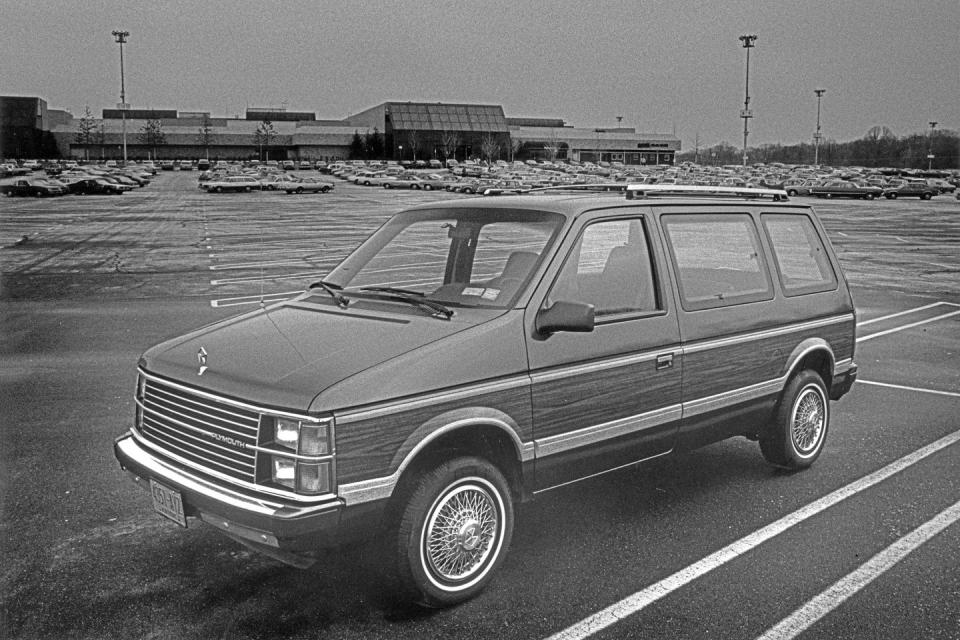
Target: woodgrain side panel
(718, 367)
(367, 447)
(577, 401)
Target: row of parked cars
(77, 179)
(253, 180)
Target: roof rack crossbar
(635, 191)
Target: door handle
(664, 361)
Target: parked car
(167, 165)
(942, 185)
(308, 184)
(479, 352)
(36, 187)
(231, 183)
(910, 189)
(275, 181)
(846, 189)
(412, 181)
(95, 186)
(799, 187)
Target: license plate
(168, 503)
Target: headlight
(307, 439)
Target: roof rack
(594, 187)
(635, 191)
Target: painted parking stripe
(908, 326)
(952, 394)
(804, 617)
(638, 601)
(863, 323)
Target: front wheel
(927, 196)
(795, 438)
(454, 531)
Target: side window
(610, 268)
(800, 255)
(719, 260)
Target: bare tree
(449, 142)
(552, 146)
(489, 147)
(413, 139)
(86, 133)
(152, 135)
(262, 136)
(515, 146)
(205, 135)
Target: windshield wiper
(342, 301)
(410, 292)
(413, 297)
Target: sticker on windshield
(490, 294)
(473, 291)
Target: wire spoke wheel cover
(808, 421)
(463, 529)
(796, 435)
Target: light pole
(817, 136)
(746, 114)
(930, 147)
(121, 38)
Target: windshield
(458, 257)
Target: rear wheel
(891, 196)
(454, 530)
(299, 189)
(927, 196)
(791, 192)
(795, 438)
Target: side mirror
(565, 316)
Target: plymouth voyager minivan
(476, 353)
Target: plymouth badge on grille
(202, 359)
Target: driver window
(610, 268)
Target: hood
(287, 354)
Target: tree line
(879, 147)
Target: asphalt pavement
(714, 543)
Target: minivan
(476, 353)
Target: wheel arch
(487, 433)
(814, 354)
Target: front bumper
(280, 529)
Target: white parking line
(951, 394)
(641, 599)
(907, 312)
(907, 326)
(818, 607)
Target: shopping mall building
(405, 130)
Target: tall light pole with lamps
(817, 136)
(746, 114)
(121, 38)
(930, 147)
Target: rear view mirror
(566, 316)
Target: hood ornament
(202, 360)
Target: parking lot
(709, 544)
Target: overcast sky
(666, 66)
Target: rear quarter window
(801, 258)
(718, 260)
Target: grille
(206, 432)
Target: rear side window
(801, 258)
(719, 260)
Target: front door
(605, 399)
